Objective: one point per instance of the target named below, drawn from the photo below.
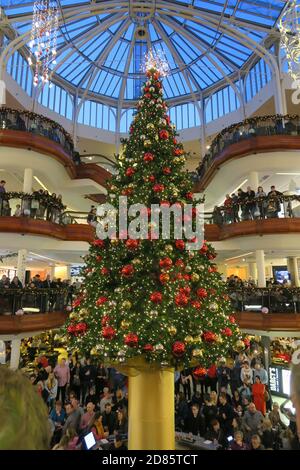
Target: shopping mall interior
(140, 344)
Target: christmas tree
(152, 297)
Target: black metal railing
(254, 208)
(33, 300)
(274, 299)
(39, 205)
(37, 124)
(252, 127)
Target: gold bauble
(172, 330)
(169, 248)
(197, 352)
(125, 324)
(136, 261)
(197, 339)
(195, 277)
(219, 339)
(83, 311)
(73, 316)
(239, 345)
(93, 351)
(114, 241)
(126, 304)
(189, 339)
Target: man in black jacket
(226, 414)
(250, 204)
(216, 434)
(109, 419)
(195, 423)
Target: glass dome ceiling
(102, 44)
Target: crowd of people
(232, 407)
(82, 397)
(250, 205)
(38, 205)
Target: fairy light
(156, 60)
(43, 39)
(289, 27)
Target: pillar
(261, 272)
(15, 353)
(266, 342)
(151, 409)
(252, 270)
(27, 183)
(253, 180)
(68, 271)
(292, 265)
(21, 265)
(52, 271)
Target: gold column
(151, 408)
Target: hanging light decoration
(289, 27)
(43, 39)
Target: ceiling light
(289, 174)
(240, 256)
(41, 184)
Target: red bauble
(204, 249)
(211, 256)
(209, 336)
(71, 329)
(99, 259)
(99, 243)
(180, 245)
(178, 349)
(131, 129)
(151, 178)
(131, 340)
(181, 300)
(77, 302)
(104, 271)
(174, 140)
(246, 342)
(185, 290)
(108, 332)
(164, 278)
(105, 320)
(180, 264)
(167, 170)
(231, 319)
(102, 300)
(187, 277)
(158, 85)
(156, 297)
(81, 327)
(148, 96)
(165, 204)
(199, 372)
(189, 195)
(158, 188)
(146, 89)
(127, 270)
(156, 75)
(202, 293)
(165, 263)
(127, 191)
(148, 157)
(177, 151)
(132, 244)
(130, 172)
(148, 348)
(227, 331)
(163, 134)
(196, 304)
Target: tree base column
(151, 409)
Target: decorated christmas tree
(152, 297)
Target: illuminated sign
(279, 381)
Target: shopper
(252, 420)
(258, 392)
(62, 373)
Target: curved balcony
(31, 323)
(254, 135)
(31, 131)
